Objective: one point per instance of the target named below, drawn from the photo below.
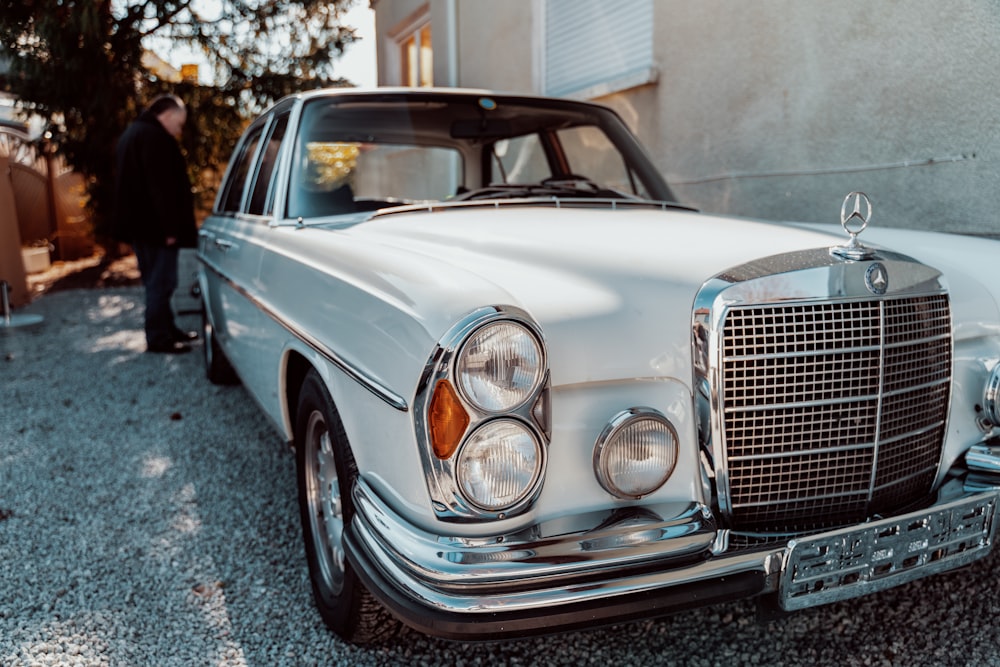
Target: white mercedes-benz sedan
(528, 391)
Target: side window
(519, 160)
(591, 154)
(405, 173)
(238, 174)
(260, 201)
(335, 177)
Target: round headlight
(636, 453)
(991, 397)
(499, 464)
(500, 366)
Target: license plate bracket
(858, 560)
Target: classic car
(528, 391)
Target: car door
(232, 247)
(218, 243)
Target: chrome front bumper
(617, 566)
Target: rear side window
(262, 197)
(241, 168)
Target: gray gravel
(149, 518)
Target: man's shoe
(185, 336)
(175, 347)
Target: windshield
(358, 153)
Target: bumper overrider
(612, 567)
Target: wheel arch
(367, 420)
(297, 366)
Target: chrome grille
(832, 411)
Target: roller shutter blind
(594, 43)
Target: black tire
(326, 473)
(218, 370)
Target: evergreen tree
(78, 64)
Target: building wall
(11, 261)
(498, 64)
(777, 108)
(807, 101)
(495, 41)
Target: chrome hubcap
(326, 512)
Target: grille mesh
(833, 411)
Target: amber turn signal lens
(448, 420)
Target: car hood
(611, 289)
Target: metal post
(6, 302)
(11, 321)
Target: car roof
(403, 93)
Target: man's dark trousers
(158, 266)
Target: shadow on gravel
(97, 272)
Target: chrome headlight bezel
(608, 448)
(441, 392)
(991, 396)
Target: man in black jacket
(154, 211)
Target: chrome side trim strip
(372, 385)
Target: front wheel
(326, 473)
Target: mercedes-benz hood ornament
(855, 213)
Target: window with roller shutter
(593, 47)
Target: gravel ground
(149, 518)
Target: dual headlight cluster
(487, 424)
(487, 417)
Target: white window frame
(411, 27)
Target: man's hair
(164, 103)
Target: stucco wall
(898, 99)
(777, 108)
(499, 64)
